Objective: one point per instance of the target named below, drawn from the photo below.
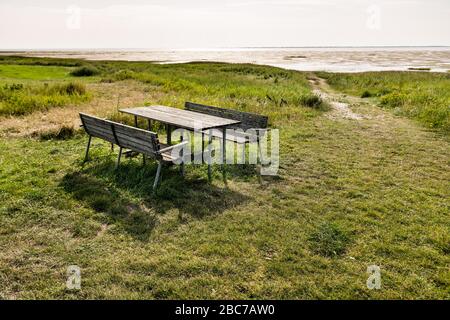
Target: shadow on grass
(127, 198)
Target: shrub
(85, 71)
(124, 75)
(62, 133)
(13, 86)
(393, 100)
(71, 88)
(311, 100)
(366, 94)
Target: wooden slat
(247, 120)
(180, 118)
(125, 136)
(232, 136)
(122, 136)
(95, 132)
(131, 131)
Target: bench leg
(118, 158)
(158, 174)
(143, 159)
(86, 157)
(259, 160)
(182, 159)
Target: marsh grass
(418, 95)
(20, 99)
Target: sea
(331, 59)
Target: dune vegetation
(419, 95)
(350, 193)
(20, 99)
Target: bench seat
(232, 135)
(130, 138)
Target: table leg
(149, 122)
(210, 155)
(224, 154)
(203, 147)
(135, 121)
(169, 134)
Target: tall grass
(19, 99)
(247, 87)
(270, 91)
(421, 96)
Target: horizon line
(216, 48)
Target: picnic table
(179, 118)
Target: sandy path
(340, 109)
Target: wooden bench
(134, 139)
(247, 121)
(238, 133)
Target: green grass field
(24, 72)
(350, 193)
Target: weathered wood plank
(180, 118)
(135, 139)
(233, 135)
(247, 120)
(106, 134)
(128, 129)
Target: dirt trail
(340, 109)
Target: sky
(195, 24)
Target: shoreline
(330, 59)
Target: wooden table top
(180, 118)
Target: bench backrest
(132, 138)
(248, 120)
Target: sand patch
(340, 109)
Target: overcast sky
(27, 24)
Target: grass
(349, 194)
(20, 99)
(8, 72)
(329, 240)
(421, 96)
